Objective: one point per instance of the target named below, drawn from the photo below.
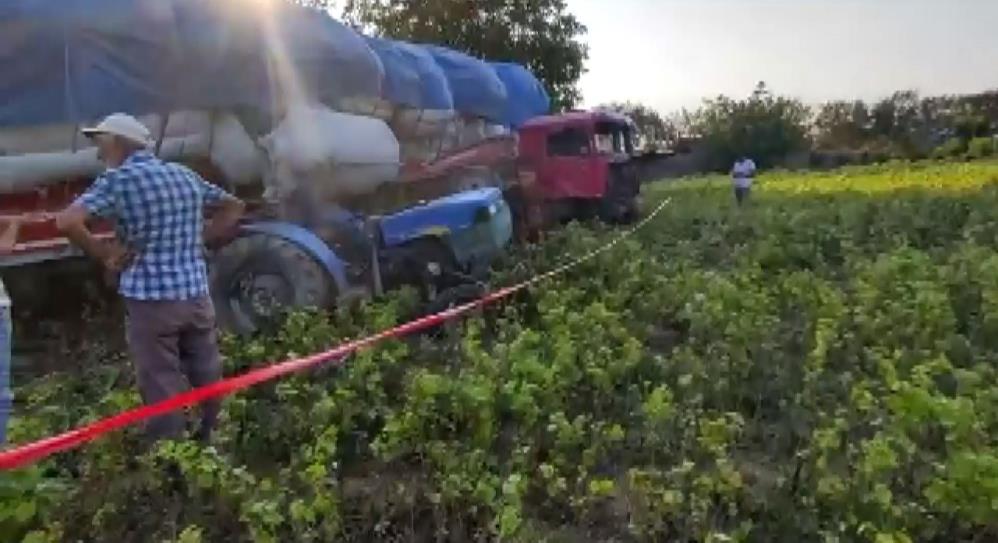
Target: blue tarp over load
(526, 97)
(81, 59)
(402, 84)
(434, 90)
(332, 61)
(434, 108)
(77, 60)
(238, 56)
(32, 84)
(476, 88)
(247, 57)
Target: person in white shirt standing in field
(742, 176)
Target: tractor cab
(578, 164)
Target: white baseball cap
(125, 126)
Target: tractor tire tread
(311, 285)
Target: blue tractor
(443, 247)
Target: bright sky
(671, 53)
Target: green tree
(540, 34)
(763, 126)
(897, 116)
(970, 124)
(842, 125)
(904, 125)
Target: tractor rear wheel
(257, 278)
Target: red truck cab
(576, 165)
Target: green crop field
(819, 366)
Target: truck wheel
(618, 207)
(257, 278)
(586, 210)
(620, 203)
(632, 211)
(627, 211)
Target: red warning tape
(37, 450)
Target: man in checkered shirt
(162, 275)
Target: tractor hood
(442, 217)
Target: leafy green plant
(819, 367)
(979, 148)
(953, 147)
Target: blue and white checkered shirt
(159, 209)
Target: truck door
(571, 169)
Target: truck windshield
(613, 139)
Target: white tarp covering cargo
(368, 107)
(34, 156)
(239, 158)
(329, 153)
(22, 140)
(421, 123)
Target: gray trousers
(174, 346)
(742, 194)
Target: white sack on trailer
(337, 153)
(34, 157)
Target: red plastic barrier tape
(35, 451)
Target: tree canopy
(905, 125)
(763, 126)
(540, 34)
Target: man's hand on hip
(118, 258)
(223, 224)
